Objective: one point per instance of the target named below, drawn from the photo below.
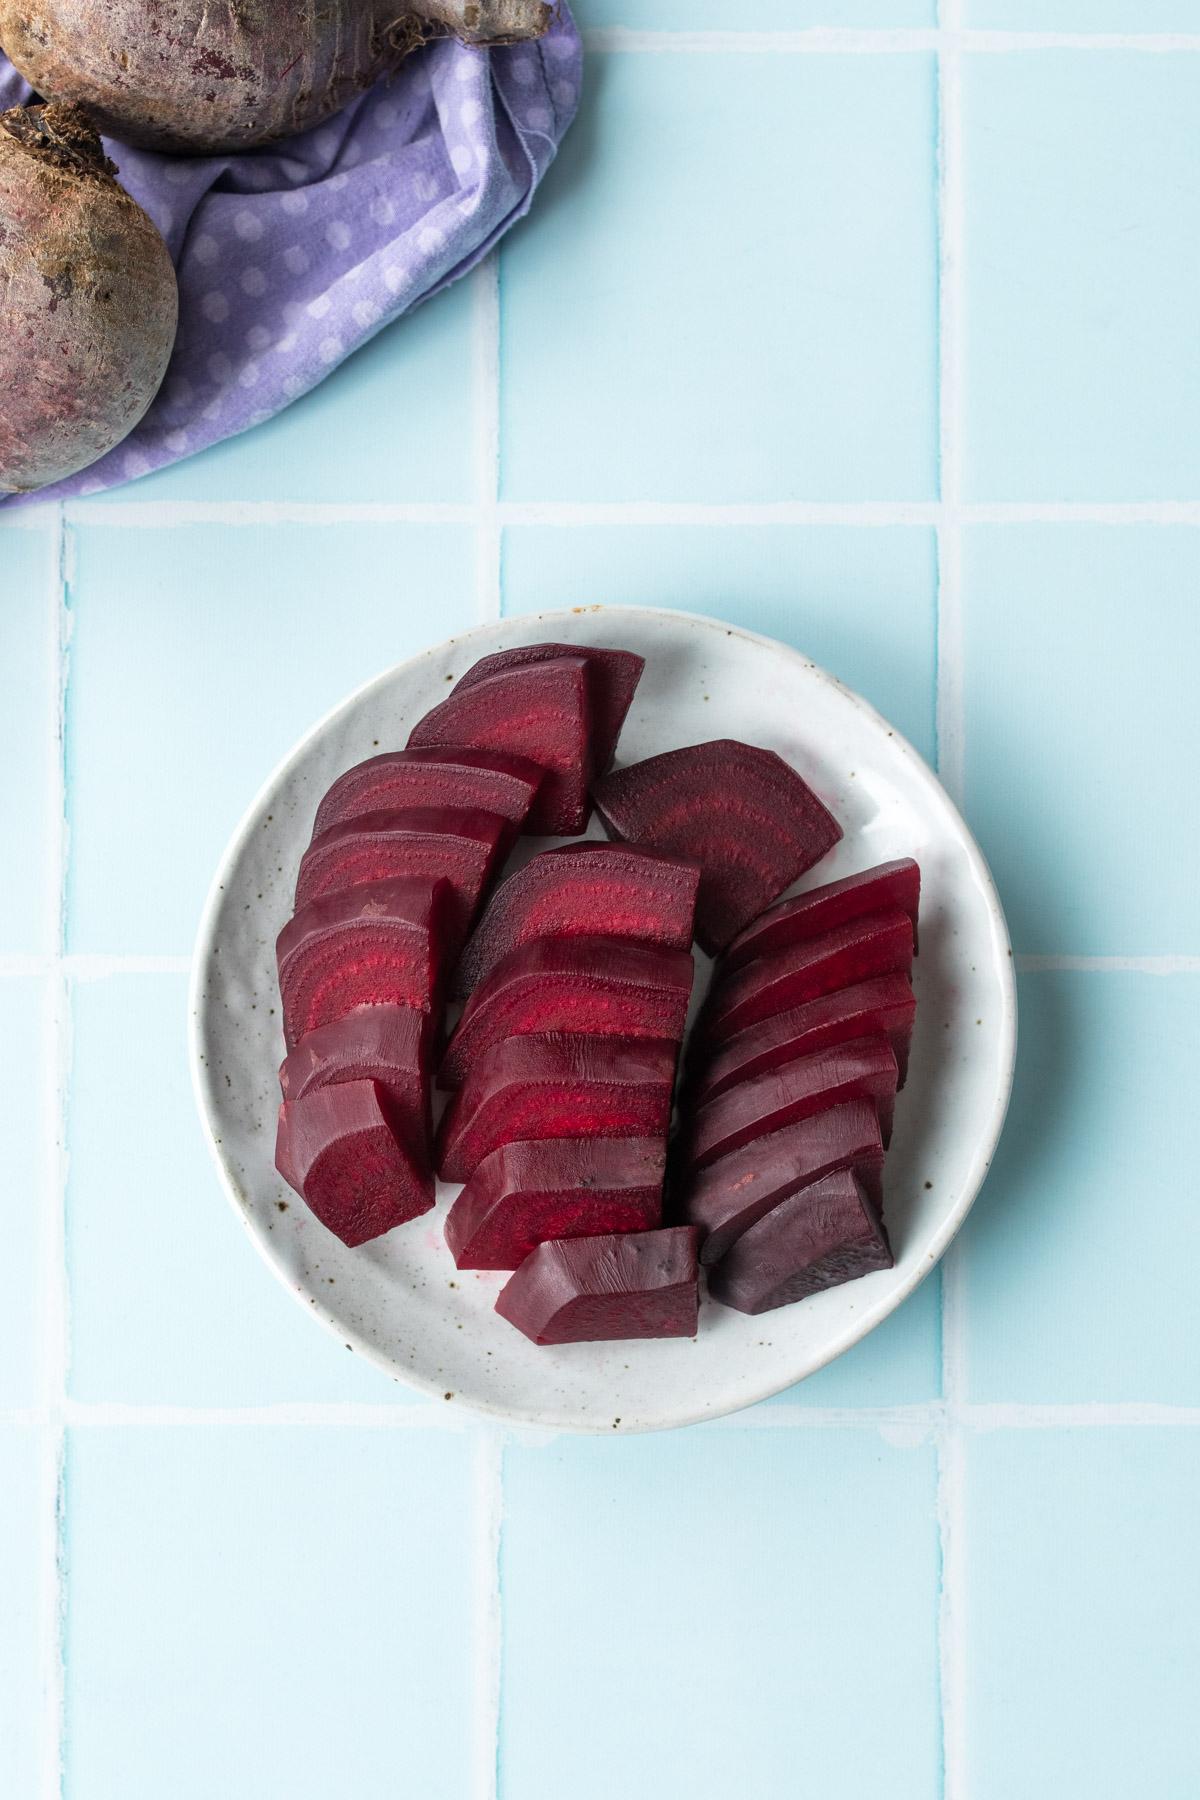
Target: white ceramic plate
(400, 1301)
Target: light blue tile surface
(1085, 1589)
(1082, 15)
(721, 322)
(1082, 277)
(28, 627)
(277, 1612)
(775, 15)
(1082, 743)
(702, 1614)
(1076, 1287)
(21, 1638)
(899, 1364)
(191, 681)
(861, 603)
(24, 1006)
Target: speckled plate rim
(860, 1326)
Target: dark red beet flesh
(613, 675)
(727, 1197)
(636, 1285)
(824, 1235)
(582, 890)
(338, 1147)
(606, 987)
(381, 945)
(538, 710)
(794, 921)
(481, 780)
(384, 1044)
(556, 1086)
(523, 1194)
(860, 951)
(884, 1006)
(742, 813)
(466, 847)
(862, 1070)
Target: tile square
(28, 736)
(293, 1609)
(199, 655)
(861, 601)
(1082, 272)
(728, 290)
(1084, 1587)
(21, 1643)
(25, 1196)
(1081, 644)
(1074, 1282)
(648, 1581)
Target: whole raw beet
(88, 303)
(187, 75)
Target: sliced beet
(466, 847)
(726, 1198)
(481, 780)
(380, 945)
(384, 1044)
(886, 1005)
(606, 987)
(538, 710)
(741, 812)
(557, 1085)
(582, 890)
(860, 951)
(805, 916)
(523, 1194)
(614, 675)
(340, 1149)
(640, 1284)
(818, 1238)
(862, 1070)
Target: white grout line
(1111, 965)
(847, 41)
(486, 405)
(487, 1645)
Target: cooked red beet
(540, 711)
(381, 945)
(862, 1070)
(860, 951)
(824, 1235)
(481, 780)
(384, 1044)
(466, 848)
(640, 1284)
(523, 1194)
(726, 1198)
(886, 1005)
(582, 890)
(555, 1086)
(821, 909)
(742, 813)
(340, 1149)
(614, 678)
(605, 987)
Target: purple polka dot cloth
(291, 256)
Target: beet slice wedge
(826, 1234)
(741, 812)
(605, 987)
(380, 945)
(476, 780)
(582, 890)
(556, 1085)
(860, 951)
(726, 1198)
(523, 1194)
(613, 674)
(384, 1044)
(862, 1070)
(340, 1149)
(466, 847)
(805, 916)
(641, 1284)
(886, 1005)
(538, 710)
